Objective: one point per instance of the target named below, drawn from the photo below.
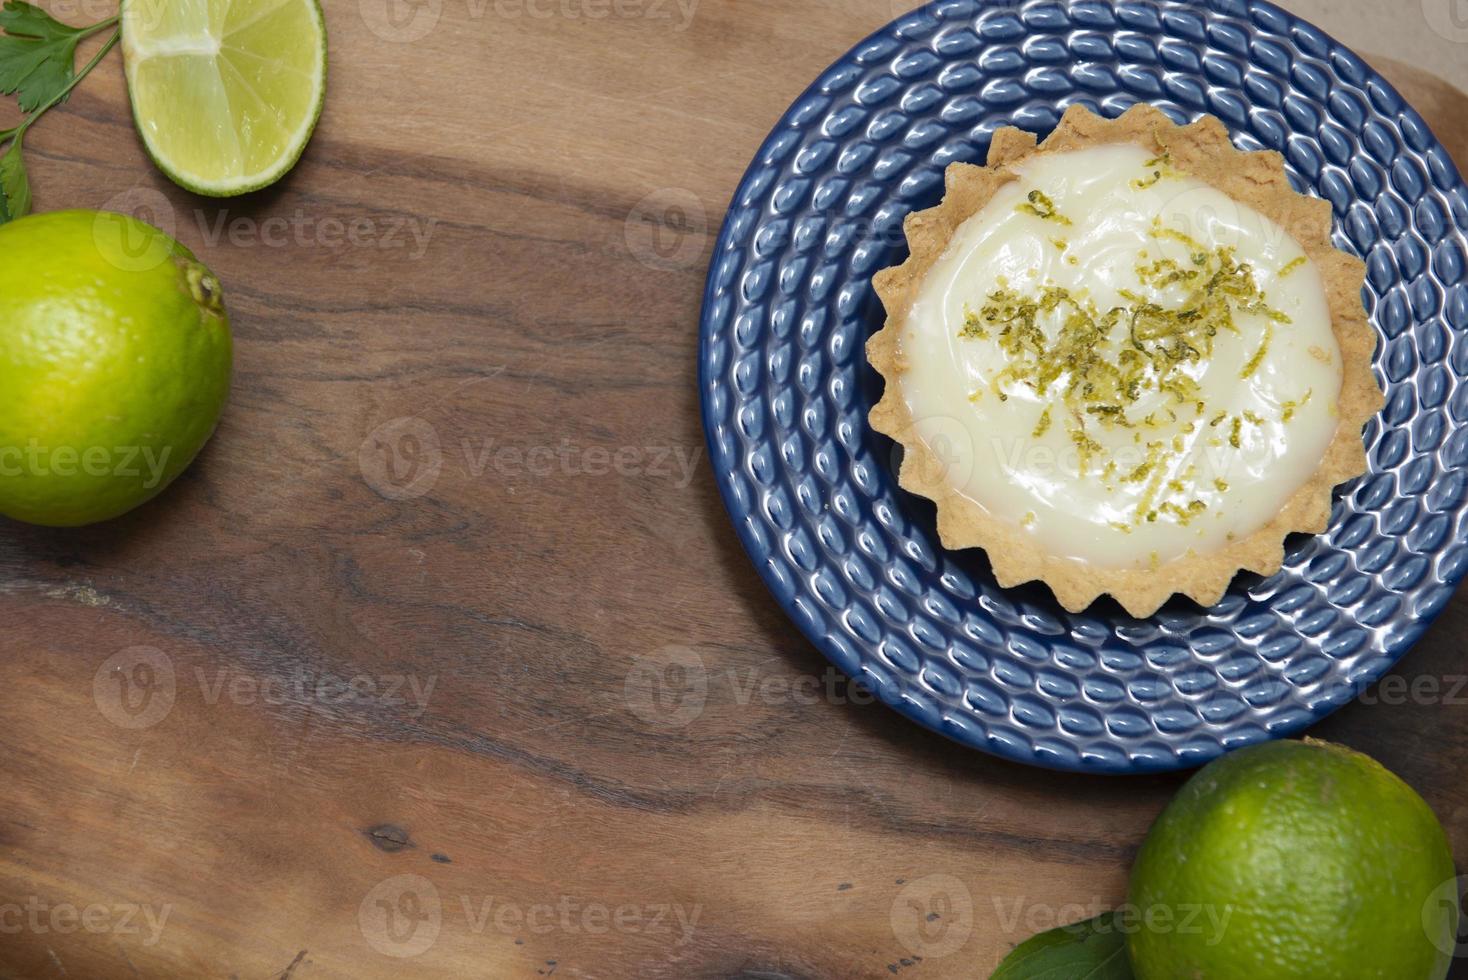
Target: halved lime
(225, 93)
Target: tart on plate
(1125, 361)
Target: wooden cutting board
(490, 262)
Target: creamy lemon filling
(1123, 361)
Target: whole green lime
(114, 364)
(1294, 860)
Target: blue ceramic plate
(856, 562)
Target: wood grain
(580, 723)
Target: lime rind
(115, 365)
(225, 93)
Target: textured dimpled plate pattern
(855, 560)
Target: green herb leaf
(15, 188)
(1091, 950)
(37, 54)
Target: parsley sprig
(37, 60)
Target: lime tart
(1125, 361)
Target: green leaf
(15, 188)
(20, 17)
(1090, 950)
(37, 54)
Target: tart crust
(1202, 150)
